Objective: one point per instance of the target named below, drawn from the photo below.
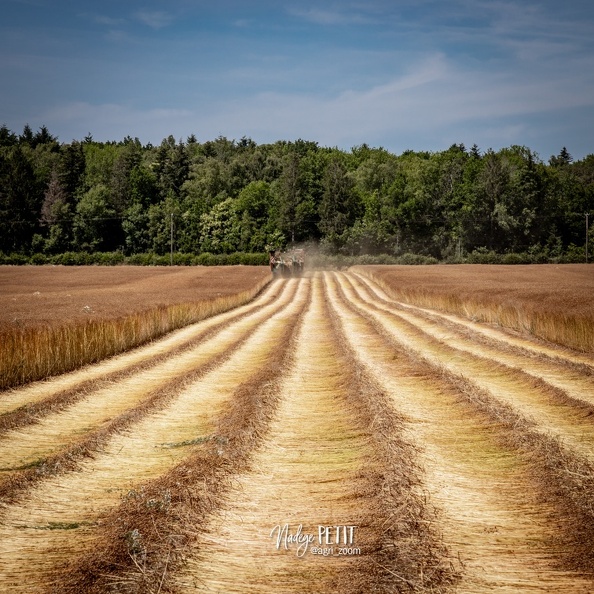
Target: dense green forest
(225, 196)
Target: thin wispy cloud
(156, 19)
(107, 20)
(435, 96)
(331, 17)
(115, 121)
(243, 23)
(379, 72)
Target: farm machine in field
(286, 264)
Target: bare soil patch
(50, 294)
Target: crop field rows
(322, 437)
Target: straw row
(560, 376)
(495, 337)
(533, 396)
(46, 448)
(500, 340)
(564, 473)
(411, 548)
(59, 518)
(306, 473)
(337, 447)
(555, 324)
(29, 405)
(465, 460)
(140, 544)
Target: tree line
(225, 196)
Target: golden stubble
(33, 350)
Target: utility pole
(587, 214)
(171, 241)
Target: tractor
(287, 264)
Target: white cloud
(487, 71)
(435, 99)
(106, 20)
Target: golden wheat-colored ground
(306, 475)
(501, 537)
(492, 431)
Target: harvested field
(324, 436)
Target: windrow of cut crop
(502, 538)
(59, 518)
(561, 374)
(67, 457)
(562, 475)
(145, 539)
(312, 469)
(561, 402)
(410, 555)
(334, 455)
(501, 339)
(571, 329)
(31, 412)
(29, 354)
(37, 391)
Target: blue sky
(402, 74)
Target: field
(40, 294)
(54, 319)
(381, 429)
(553, 302)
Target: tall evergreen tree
(20, 201)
